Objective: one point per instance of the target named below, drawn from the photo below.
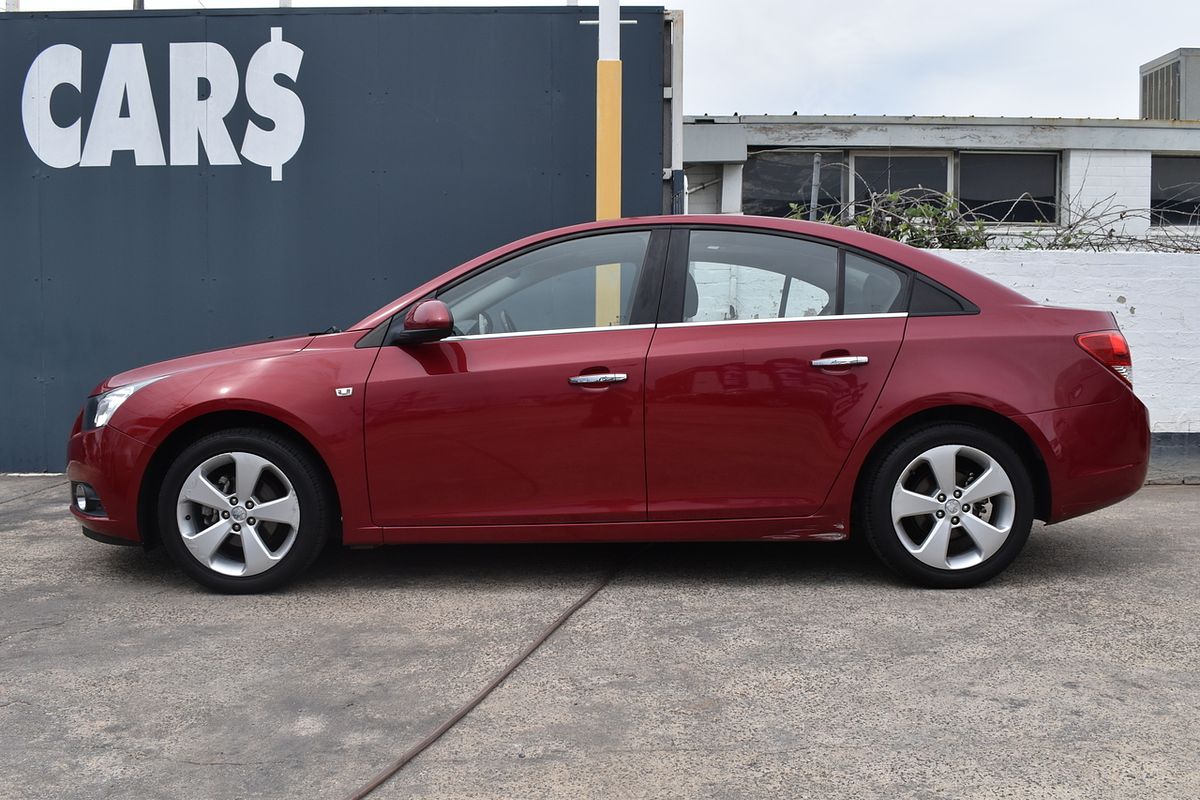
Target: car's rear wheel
(244, 510)
(949, 506)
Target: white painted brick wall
(728, 292)
(705, 200)
(1108, 180)
(1155, 297)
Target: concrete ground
(739, 670)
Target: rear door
(770, 354)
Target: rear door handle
(840, 361)
(598, 379)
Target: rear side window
(928, 300)
(745, 275)
(871, 288)
(733, 275)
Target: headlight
(101, 407)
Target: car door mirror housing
(427, 321)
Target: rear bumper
(111, 463)
(1096, 455)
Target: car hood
(207, 360)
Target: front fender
(297, 391)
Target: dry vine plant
(929, 218)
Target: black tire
(874, 505)
(317, 517)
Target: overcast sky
(1053, 58)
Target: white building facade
(1021, 173)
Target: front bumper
(1096, 455)
(112, 463)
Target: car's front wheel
(243, 510)
(949, 506)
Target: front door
(761, 385)
(533, 411)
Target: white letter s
(275, 147)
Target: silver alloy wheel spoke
(206, 513)
(284, 510)
(248, 469)
(942, 463)
(912, 504)
(987, 538)
(933, 551)
(953, 533)
(259, 557)
(204, 544)
(200, 490)
(992, 482)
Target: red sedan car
(666, 378)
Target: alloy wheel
(238, 514)
(953, 507)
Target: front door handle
(840, 361)
(598, 379)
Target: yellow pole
(608, 139)
(608, 155)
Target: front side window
(1175, 190)
(1009, 187)
(734, 275)
(579, 283)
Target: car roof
(980, 290)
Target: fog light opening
(86, 500)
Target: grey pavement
(703, 670)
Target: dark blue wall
(431, 135)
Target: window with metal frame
(1009, 187)
(1174, 190)
(906, 174)
(773, 181)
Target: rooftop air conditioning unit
(1171, 86)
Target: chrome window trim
(890, 315)
(556, 331)
(550, 332)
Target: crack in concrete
(228, 763)
(35, 491)
(31, 630)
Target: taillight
(1111, 350)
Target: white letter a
(125, 78)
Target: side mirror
(427, 321)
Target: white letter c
(56, 65)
